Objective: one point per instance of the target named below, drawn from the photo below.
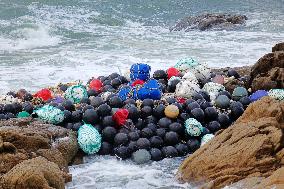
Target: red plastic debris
(181, 100)
(120, 116)
(96, 84)
(137, 82)
(44, 94)
(172, 72)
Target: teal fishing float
(76, 93)
(89, 139)
(193, 127)
(277, 94)
(50, 114)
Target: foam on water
(108, 172)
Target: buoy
(89, 139)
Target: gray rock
(209, 21)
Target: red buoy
(172, 72)
(44, 94)
(96, 84)
(120, 116)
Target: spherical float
(172, 111)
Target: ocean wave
(29, 38)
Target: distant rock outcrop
(252, 147)
(209, 21)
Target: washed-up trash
(50, 114)
(140, 71)
(193, 127)
(76, 93)
(276, 94)
(44, 94)
(89, 139)
(258, 95)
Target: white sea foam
(107, 172)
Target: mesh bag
(89, 139)
(150, 89)
(277, 94)
(75, 93)
(50, 114)
(140, 71)
(193, 127)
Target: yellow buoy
(171, 111)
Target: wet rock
(34, 173)
(252, 147)
(209, 21)
(278, 47)
(268, 72)
(23, 139)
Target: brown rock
(246, 149)
(23, 139)
(268, 72)
(276, 180)
(278, 47)
(36, 173)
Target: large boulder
(36, 173)
(251, 147)
(209, 21)
(23, 139)
(268, 72)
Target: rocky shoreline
(34, 154)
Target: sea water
(45, 42)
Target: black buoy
(120, 139)
(226, 93)
(193, 144)
(160, 74)
(106, 149)
(145, 111)
(198, 114)
(171, 100)
(28, 97)
(143, 143)
(85, 100)
(91, 116)
(197, 96)
(184, 116)
(133, 135)
(214, 126)
(77, 125)
(67, 116)
(236, 112)
(10, 115)
(68, 125)
(159, 111)
(68, 105)
(124, 130)
(171, 138)
(115, 102)
(245, 101)
(150, 119)
(164, 122)
(28, 107)
(182, 149)
(148, 102)
(3, 117)
(210, 113)
(63, 87)
(9, 108)
(146, 133)
(156, 142)
(139, 124)
(108, 121)
(191, 106)
(233, 73)
(205, 95)
(224, 120)
(92, 92)
(132, 146)
(156, 154)
(130, 101)
(152, 126)
(113, 75)
(177, 127)
(169, 151)
(77, 116)
(122, 152)
(104, 110)
(133, 113)
(161, 132)
(115, 83)
(96, 101)
(108, 134)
